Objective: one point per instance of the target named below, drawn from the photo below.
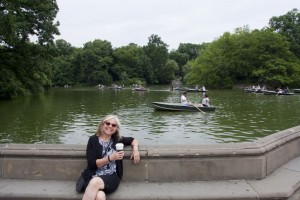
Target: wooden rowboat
(251, 90)
(196, 90)
(269, 92)
(116, 87)
(161, 106)
(139, 89)
(181, 89)
(297, 90)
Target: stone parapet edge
(266, 154)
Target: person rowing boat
(205, 101)
(184, 100)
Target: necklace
(105, 140)
(106, 145)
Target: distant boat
(181, 89)
(296, 90)
(269, 92)
(196, 90)
(139, 89)
(116, 87)
(253, 90)
(161, 106)
(189, 89)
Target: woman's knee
(101, 195)
(97, 182)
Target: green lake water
(71, 115)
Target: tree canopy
(31, 61)
(24, 68)
(259, 56)
(288, 25)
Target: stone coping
(258, 147)
(246, 160)
(282, 184)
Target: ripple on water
(71, 116)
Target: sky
(122, 22)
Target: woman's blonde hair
(117, 135)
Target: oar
(197, 108)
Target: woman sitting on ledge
(104, 163)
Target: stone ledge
(221, 171)
(159, 163)
(281, 184)
(256, 148)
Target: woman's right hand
(117, 155)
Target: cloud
(176, 21)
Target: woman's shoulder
(126, 140)
(125, 137)
(93, 138)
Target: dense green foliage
(63, 70)
(130, 67)
(98, 63)
(259, 56)
(288, 25)
(185, 53)
(269, 56)
(25, 65)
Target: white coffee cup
(119, 146)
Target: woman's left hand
(135, 155)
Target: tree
(171, 68)
(20, 19)
(147, 67)
(275, 63)
(181, 59)
(288, 25)
(259, 56)
(63, 67)
(127, 61)
(185, 53)
(157, 52)
(95, 63)
(191, 49)
(24, 65)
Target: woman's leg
(100, 195)
(92, 189)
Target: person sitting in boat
(278, 90)
(257, 88)
(203, 88)
(184, 100)
(286, 90)
(205, 101)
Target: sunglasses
(112, 125)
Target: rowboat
(297, 90)
(161, 106)
(139, 89)
(252, 90)
(181, 89)
(196, 90)
(116, 87)
(269, 92)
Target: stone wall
(159, 163)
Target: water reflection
(71, 115)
